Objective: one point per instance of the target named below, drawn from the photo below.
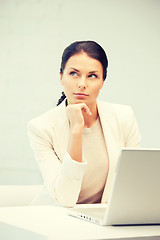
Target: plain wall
(33, 35)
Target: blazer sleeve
(63, 179)
(131, 130)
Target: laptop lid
(135, 193)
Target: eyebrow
(93, 72)
(79, 71)
(75, 69)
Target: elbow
(67, 203)
(64, 200)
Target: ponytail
(61, 98)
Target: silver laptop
(135, 192)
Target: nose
(82, 83)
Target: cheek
(67, 85)
(97, 89)
(64, 81)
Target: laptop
(135, 193)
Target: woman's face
(82, 79)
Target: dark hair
(93, 50)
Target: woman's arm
(76, 123)
(62, 177)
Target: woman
(78, 142)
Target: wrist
(76, 131)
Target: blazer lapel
(108, 123)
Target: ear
(61, 81)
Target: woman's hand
(75, 114)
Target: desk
(54, 223)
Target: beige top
(95, 152)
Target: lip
(81, 94)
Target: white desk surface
(54, 223)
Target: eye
(92, 76)
(74, 74)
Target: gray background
(33, 35)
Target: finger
(86, 109)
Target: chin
(75, 101)
(80, 101)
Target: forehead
(82, 61)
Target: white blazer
(63, 176)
